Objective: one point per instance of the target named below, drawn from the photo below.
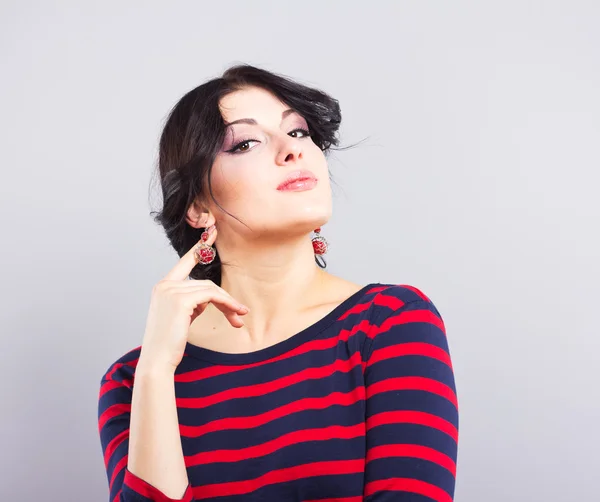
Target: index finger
(187, 262)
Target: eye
(303, 131)
(237, 148)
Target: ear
(199, 216)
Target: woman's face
(256, 158)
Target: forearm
(155, 451)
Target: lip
(300, 185)
(293, 179)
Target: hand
(175, 302)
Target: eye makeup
(233, 147)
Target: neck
(278, 281)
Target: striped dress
(359, 406)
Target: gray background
(478, 183)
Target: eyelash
(234, 152)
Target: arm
(411, 405)
(139, 433)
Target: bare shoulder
(340, 289)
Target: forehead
(251, 102)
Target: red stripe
(356, 309)
(332, 468)
(342, 366)
(302, 436)
(214, 370)
(390, 299)
(391, 302)
(406, 317)
(309, 403)
(147, 490)
(413, 451)
(410, 349)
(413, 417)
(408, 485)
(112, 411)
(377, 289)
(116, 366)
(108, 385)
(412, 383)
(321, 344)
(119, 466)
(114, 443)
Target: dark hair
(194, 132)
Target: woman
(261, 376)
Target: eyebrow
(253, 122)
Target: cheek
(237, 180)
(317, 161)
(223, 181)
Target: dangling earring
(320, 244)
(204, 253)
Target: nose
(289, 151)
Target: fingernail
(211, 229)
(243, 308)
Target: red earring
(320, 244)
(204, 253)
